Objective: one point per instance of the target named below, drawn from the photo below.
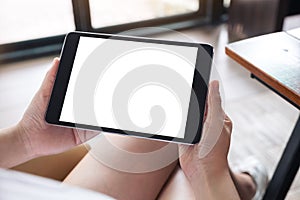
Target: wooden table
(274, 60)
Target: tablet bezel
(200, 86)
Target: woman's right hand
(208, 158)
(205, 164)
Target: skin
(204, 165)
(32, 137)
(206, 162)
(204, 172)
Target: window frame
(33, 48)
(82, 15)
(27, 49)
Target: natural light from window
(22, 20)
(30, 19)
(116, 12)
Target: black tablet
(132, 85)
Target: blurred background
(31, 27)
(32, 34)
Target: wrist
(13, 150)
(207, 171)
(207, 180)
(21, 137)
(205, 167)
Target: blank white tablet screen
(150, 102)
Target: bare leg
(178, 187)
(208, 174)
(244, 184)
(92, 174)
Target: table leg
(286, 169)
(282, 96)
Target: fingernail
(217, 85)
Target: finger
(90, 134)
(211, 94)
(52, 71)
(49, 79)
(215, 112)
(228, 124)
(213, 125)
(205, 110)
(54, 68)
(212, 102)
(215, 98)
(82, 136)
(227, 118)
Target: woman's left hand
(41, 138)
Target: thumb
(49, 79)
(215, 103)
(214, 122)
(214, 111)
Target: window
(31, 28)
(116, 12)
(22, 20)
(113, 16)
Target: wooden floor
(262, 120)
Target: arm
(12, 148)
(32, 137)
(213, 183)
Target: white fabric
(17, 185)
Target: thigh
(93, 174)
(54, 166)
(177, 187)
